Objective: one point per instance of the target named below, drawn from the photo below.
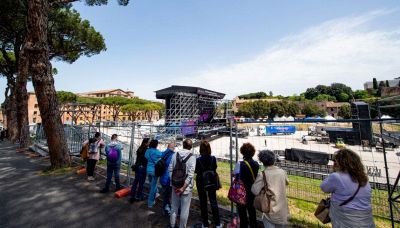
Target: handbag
(237, 191)
(262, 201)
(322, 211)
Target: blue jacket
(164, 179)
(118, 147)
(152, 155)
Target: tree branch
(54, 2)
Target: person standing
(114, 155)
(165, 180)
(152, 155)
(246, 171)
(139, 167)
(95, 144)
(207, 163)
(351, 192)
(277, 181)
(182, 190)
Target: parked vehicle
(274, 130)
(340, 143)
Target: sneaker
(90, 178)
(104, 190)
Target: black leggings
(244, 220)
(91, 164)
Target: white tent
(290, 118)
(329, 118)
(386, 117)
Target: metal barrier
(226, 139)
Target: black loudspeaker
(360, 110)
(306, 156)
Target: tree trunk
(22, 98)
(11, 110)
(43, 82)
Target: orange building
(78, 113)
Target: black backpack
(179, 174)
(209, 177)
(161, 165)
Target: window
(81, 118)
(34, 120)
(35, 113)
(36, 106)
(67, 118)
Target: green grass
(59, 171)
(304, 195)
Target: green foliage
(345, 111)
(360, 94)
(324, 97)
(69, 37)
(276, 109)
(311, 93)
(88, 100)
(344, 97)
(293, 109)
(387, 83)
(258, 95)
(312, 110)
(66, 97)
(245, 110)
(260, 109)
(115, 101)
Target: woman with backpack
(152, 155)
(246, 171)
(114, 155)
(94, 146)
(206, 182)
(139, 167)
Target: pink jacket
(99, 144)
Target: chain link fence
(304, 150)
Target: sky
(236, 47)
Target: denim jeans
(153, 189)
(182, 201)
(113, 168)
(166, 193)
(212, 197)
(137, 186)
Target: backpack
(209, 177)
(179, 174)
(112, 155)
(92, 145)
(161, 165)
(85, 152)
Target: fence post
(236, 143)
(130, 154)
(386, 167)
(230, 159)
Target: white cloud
(344, 50)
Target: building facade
(78, 113)
(331, 108)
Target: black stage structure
(189, 106)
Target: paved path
(28, 199)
